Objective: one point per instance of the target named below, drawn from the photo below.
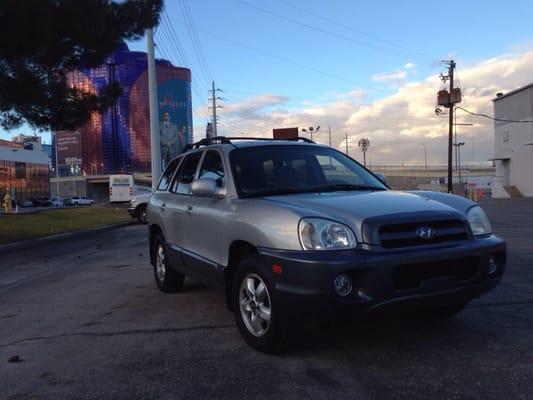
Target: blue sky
(481, 29)
(273, 69)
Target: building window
(20, 170)
(505, 136)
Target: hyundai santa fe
(292, 228)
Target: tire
(166, 279)
(258, 316)
(141, 214)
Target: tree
(41, 40)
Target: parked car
(80, 201)
(41, 202)
(57, 201)
(291, 228)
(138, 204)
(24, 203)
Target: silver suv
(294, 229)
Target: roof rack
(228, 140)
(207, 142)
(295, 139)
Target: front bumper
(441, 274)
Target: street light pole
(57, 170)
(457, 146)
(311, 130)
(425, 156)
(155, 149)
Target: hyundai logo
(425, 232)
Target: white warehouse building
(513, 143)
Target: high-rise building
(118, 141)
(24, 174)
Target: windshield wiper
(345, 187)
(278, 192)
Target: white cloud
(409, 65)
(253, 105)
(397, 125)
(392, 77)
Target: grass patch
(15, 227)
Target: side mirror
(381, 177)
(207, 187)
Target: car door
(204, 222)
(175, 209)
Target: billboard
(69, 155)
(285, 133)
(175, 125)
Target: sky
(366, 69)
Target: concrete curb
(23, 244)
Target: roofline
(513, 92)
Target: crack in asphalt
(118, 333)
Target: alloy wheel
(160, 267)
(255, 304)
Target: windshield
(278, 170)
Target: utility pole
(155, 147)
(214, 107)
(347, 144)
(450, 128)
(329, 132)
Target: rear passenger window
(185, 175)
(164, 182)
(212, 167)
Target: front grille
(412, 276)
(405, 234)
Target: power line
(315, 28)
(270, 55)
(172, 39)
(372, 37)
(491, 117)
(197, 46)
(172, 35)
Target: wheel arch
(238, 249)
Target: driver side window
(185, 174)
(212, 167)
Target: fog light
(343, 284)
(493, 265)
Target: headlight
(479, 223)
(323, 234)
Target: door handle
(188, 210)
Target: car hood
(353, 207)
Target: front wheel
(141, 214)
(258, 317)
(166, 279)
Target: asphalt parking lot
(88, 322)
